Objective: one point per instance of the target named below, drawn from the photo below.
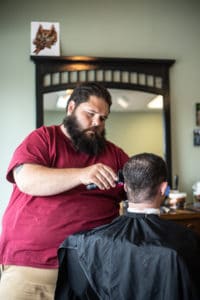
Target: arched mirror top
(64, 72)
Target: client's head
(145, 179)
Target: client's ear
(163, 187)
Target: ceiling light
(63, 99)
(122, 102)
(156, 103)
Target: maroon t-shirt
(34, 227)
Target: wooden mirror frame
(55, 73)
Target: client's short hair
(143, 173)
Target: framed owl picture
(45, 38)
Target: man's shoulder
(52, 130)
(45, 128)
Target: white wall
(118, 28)
(136, 132)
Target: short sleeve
(33, 149)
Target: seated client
(139, 255)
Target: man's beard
(91, 144)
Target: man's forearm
(38, 180)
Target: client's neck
(144, 208)
(145, 205)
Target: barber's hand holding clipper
(98, 176)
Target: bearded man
(50, 171)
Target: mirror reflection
(135, 122)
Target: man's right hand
(99, 174)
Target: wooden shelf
(185, 217)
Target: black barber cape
(136, 257)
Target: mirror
(138, 78)
(132, 124)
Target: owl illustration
(45, 38)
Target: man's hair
(83, 91)
(143, 173)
